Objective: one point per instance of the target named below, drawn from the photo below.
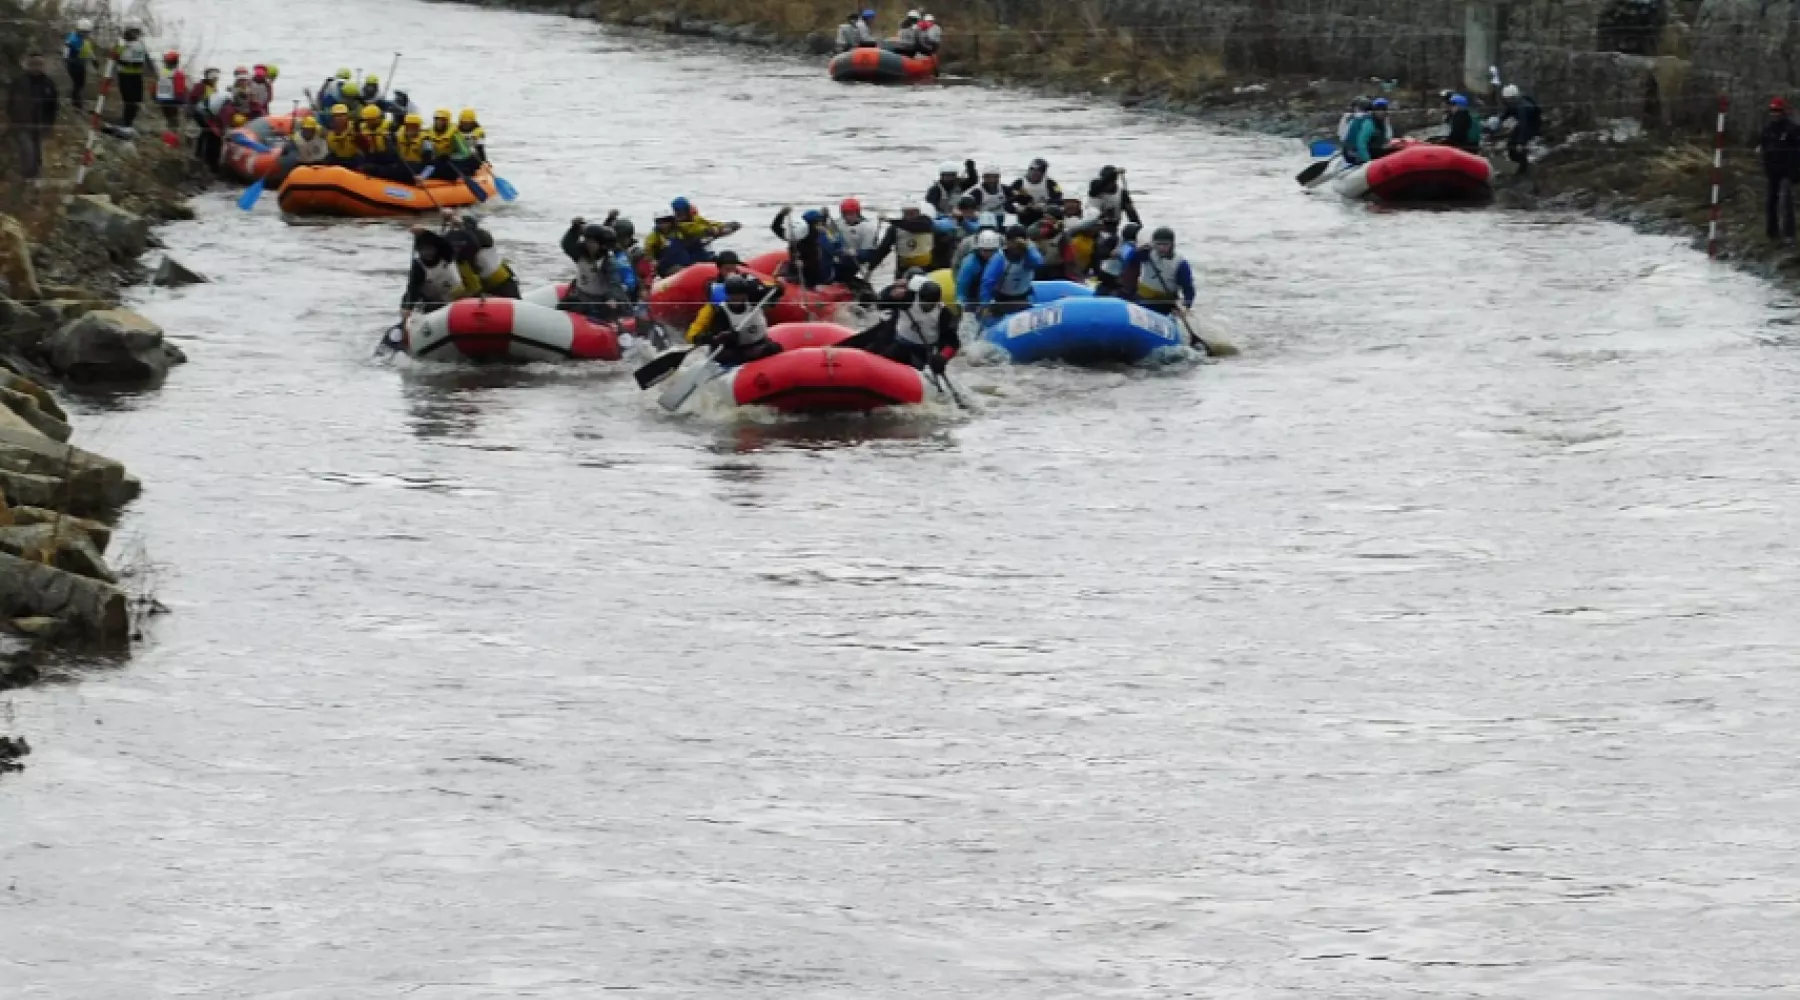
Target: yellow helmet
(467, 117)
(339, 111)
(443, 113)
(414, 120)
(309, 122)
(343, 74)
(372, 80)
(239, 120)
(371, 113)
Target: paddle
(1313, 170)
(665, 364)
(474, 188)
(507, 191)
(1323, 147)
(389, 340)
(944, 383)
(388, 83)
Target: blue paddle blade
(250, 197)
(249, 143)
(507, 191)
(1324, 147)
(475, 189)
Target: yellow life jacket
(343, 145)
(1082, 244)
(410, 147)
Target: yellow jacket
(343, 145)
(374, 140)
(695, 228)
(410, 147)
(701, 324)
(1082, 244)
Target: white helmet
(1510, 91)
(914, 14)
(990, 170)
(84, 25)
(947, 167)
(133, 24)
(987, 239)
(797, 229)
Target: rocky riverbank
(66, 254)
(1657, 181)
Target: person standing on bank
(1779, 145)
(30, 115)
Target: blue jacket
(993, 277)
(968, 278)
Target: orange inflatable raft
(345, 193)
(258, 150)
(872, 65)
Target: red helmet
(1777, 105)
(171, 57)
(262, 72)
(850, 206)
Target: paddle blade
(475, 189)
(659, 369)
(507, 191)
(1312, 172)
(1324, 147)
(685, 385)
(252, 195)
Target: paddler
(974, 264)
(989, 194)
(309, 146)
(922, 333)
(736, 324)
(857, 236)
(930, 37)
(1159, 279)
(695, 231)
(474, 139)
(1034, 190)
(809, 246)
(1107, 193)
(413, 148)
(446, 142)
(950, 185)
(342, 140)
(912, 238)
(857, 31)
(332, 91)
(664, 246)
(482, 266)
(434, 279)
(605, 285)
(1006, 281)
(376, 147)
(1464, 124)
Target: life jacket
(1016, 276)
(942, 198)
(314, 150)
(410, 147)
(261, 92)
(752, 328)
(373, 141)
(474, 134)
(1081, 247)
(856, 239)
(491, 269)
(914, 249)
(916, 326)
(448, 142)
(1107, 201)
(78, 47)
(343, 145)
(171, 89)
(133, 57)
(1114, 264)
(443, 281)
(1042, 193)
(988, 201)
(1158, 276)
(599, 280)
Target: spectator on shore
(30, 115)
(78, 55)
(1779, 145)
(1528, 124)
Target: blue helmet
(811, 216)
(1459, 100)
(1379, 104)
(868, 14)
(681, 205)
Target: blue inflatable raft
(1072, 324)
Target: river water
(1440, 645)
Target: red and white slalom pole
(87, 152)
(1712, 226)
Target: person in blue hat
(857, 31)
(1465, 125)
(1369, 135)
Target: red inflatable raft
(1422, 172)
(513, 330)
(811, 376)
(258, 150)
(675, 300)
(872, 65)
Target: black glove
(938, 361)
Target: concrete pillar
(1481, 43)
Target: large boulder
(67, 548)
(15, 261)
(95, 217)
(27, 408)
(94, 609)
(171, 273)
(115, 346)
(38, 472)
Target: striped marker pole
(87, 153)
(1712, 226)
